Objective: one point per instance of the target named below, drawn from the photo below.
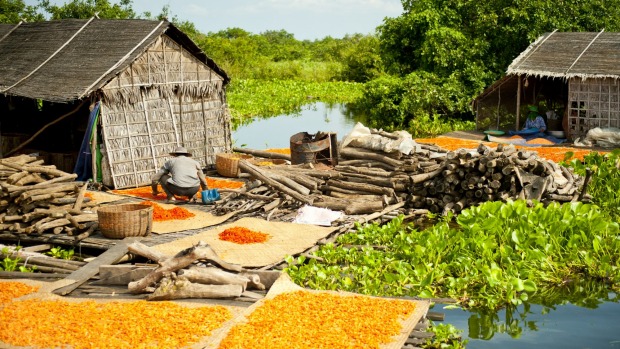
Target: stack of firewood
(39, 199)
(429, 178)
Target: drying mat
(100, 197)
(286, 239)
(285, 284)
(200, 220)
(235, 310)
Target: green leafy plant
(25, 269)
(60, 253)
(446, 336)
(604, 185)
(499, 254)
(9, 264)
(283, 96)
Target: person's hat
(533, 108)
(180, 151)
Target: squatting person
(181, 176)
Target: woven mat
(286, 239)
(41, 294)
(200, 220)
(285, 284)
(100, 197)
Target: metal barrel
(304, 147)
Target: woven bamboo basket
(227, 164)
(121, 221)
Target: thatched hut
(574, 75)
(146, 86)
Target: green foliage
(446, 336)
(425, 126)
(604, 185)
(267, 98)
(9, 264)
(12, 264)
(362, 60)
(13, 11)
(420, 102)
(501, 254)
(60, 253)
(88, 8)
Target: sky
(305, 19)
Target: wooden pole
(518, 102)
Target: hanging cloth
(83, 166)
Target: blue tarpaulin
(84, 165)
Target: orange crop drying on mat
(279, 150)
(146, 192)
(10, 290)
(142, 192)
(52, 324)
(555, 154)
(214, 183)
(541, 141)
(162, 214)
(241, 235)
(320, 320)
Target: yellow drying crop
(85, 325)
(305, 319)
(279, 150)
(11, 289)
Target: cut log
(262, 153)
(358, 153)
(362, 187)
(257, 173)
(214, 276)
(147, 252)
(43, 185)
(80, 197)
(181, 288)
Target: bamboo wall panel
(592, 103)
(164, 99)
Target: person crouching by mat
(180, 176)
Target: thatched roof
(61, 61)
(568, 55)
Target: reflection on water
(578, 315)
(275, 132)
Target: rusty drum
(305, 146)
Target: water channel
(588, 320)
(275, 132)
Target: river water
(276, 132)
(591, 324)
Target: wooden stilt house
(123, 93)
(574, 74)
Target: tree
(88, 8)
(13, 11)
(362, 61)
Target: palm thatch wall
(164, 99)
